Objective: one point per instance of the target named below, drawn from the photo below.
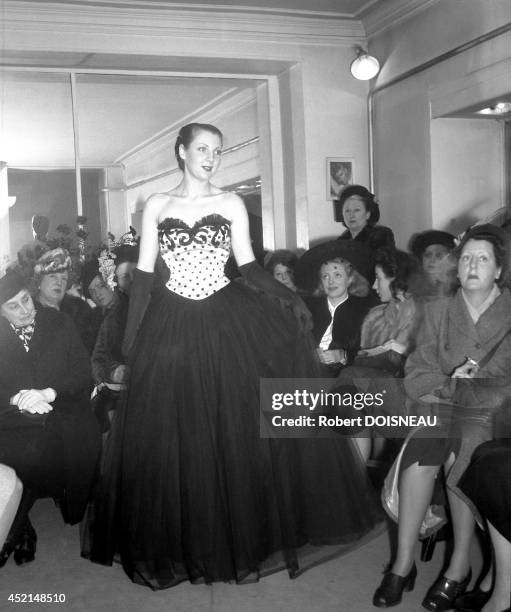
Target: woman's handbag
(434, 518)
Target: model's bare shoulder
(155, 204)
(232, 205)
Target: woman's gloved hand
(34, 401)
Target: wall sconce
(364, 66)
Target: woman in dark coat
(48, 434)
(461, 364)
(51, 276)
(358, 209)
(109, 370)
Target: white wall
(466, 171)
(409, 150)
(335, 126)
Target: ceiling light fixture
(364, 66)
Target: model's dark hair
(397, 265)
(187, 133)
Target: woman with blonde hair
(337, 273)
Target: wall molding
(379, 17)
(217, 7)
(477, 88)
(229, 101)
(136, 19)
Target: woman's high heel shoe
(24, 551)
(443, 592)
(390, 591)
(472, 601)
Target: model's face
(355, 214)
(477, 268)
(100, 292)
(284, 275)
(335, 280)
(434, 259)
(382, 284)
(202, 156)
(19, 310)
(53, 287)
(124, 275)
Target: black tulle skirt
(189, 490)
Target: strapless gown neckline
(209, 219)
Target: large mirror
(99, 144)
(38, 154)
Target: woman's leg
(415, 492)
(500, 598)
(463, 525)
(364, 445)
(21, 521)
(10, 495)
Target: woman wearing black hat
(47, 432)
(358, 209)
(461, 366)
(437, 276)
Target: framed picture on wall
(340, 171)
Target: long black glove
(140, 293)
(264, 281)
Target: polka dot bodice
(196, 255)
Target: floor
(345, 584)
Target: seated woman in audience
(387, 330)
(358, 209)
(436, 276)
(387, 333)
(108, 364)
(336, 271)
(48, 434)
(98, 293)
(487, 484)
(51, 276)
(95, 287)
(281, 265)
(462, 360)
